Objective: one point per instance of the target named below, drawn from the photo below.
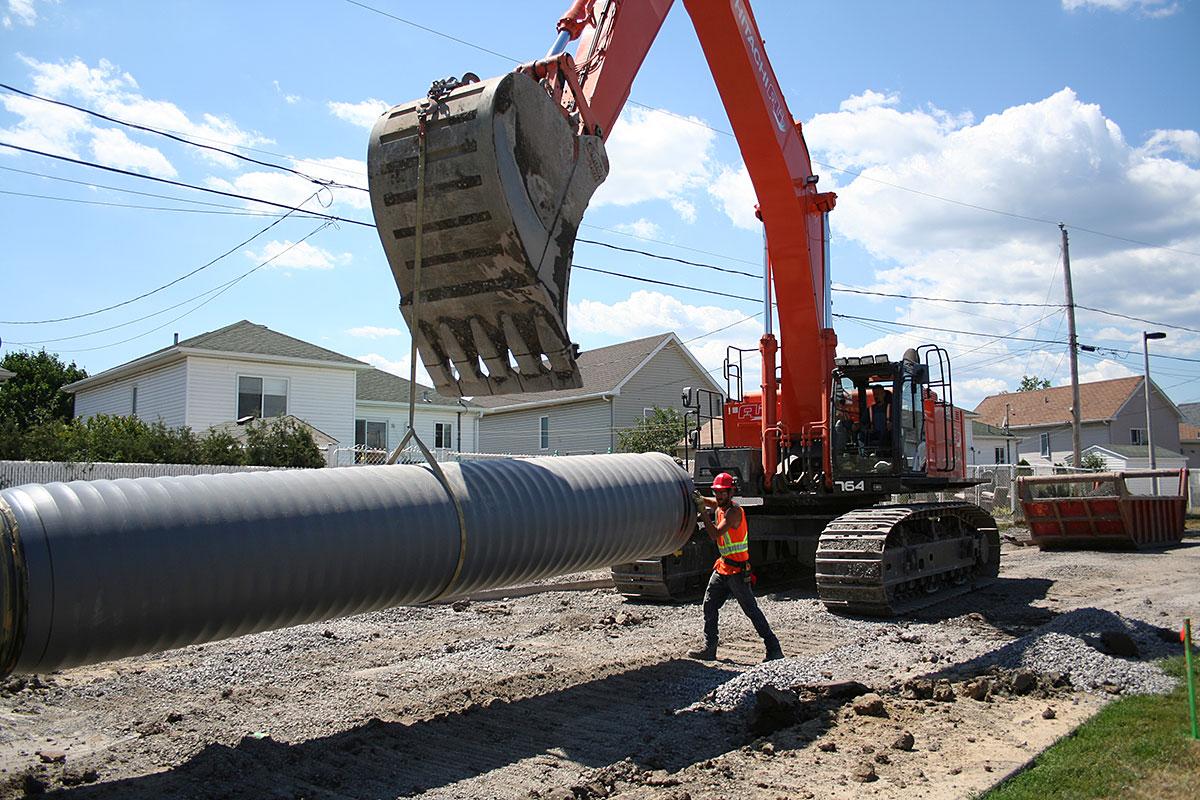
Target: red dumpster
(1097, 510)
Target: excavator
(478, 190)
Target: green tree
(281, 443)
(220, 448)
(34, 393)
(659, 432)
(1093, 461)
(1032, 383)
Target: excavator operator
(731, 572)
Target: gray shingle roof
(1138, 451)
(602, 370)
(247, 337)
(1191, 412)
(375, 385)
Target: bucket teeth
(507, 180)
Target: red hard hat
(723, 481)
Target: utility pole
(1076, 434)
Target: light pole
(1146, 337)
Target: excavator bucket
(506, 181)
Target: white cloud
(656, 156)
(1163, 143)
(22, 12)
(868, 99)
(293, 190)
(43, 126)
(301, 255)
(1103, 371)
(1149, 8)
(109, 90)
(375, 332)
(644, 313)
(290, 99)
(1056, 158)
(641, 227)
(734, 192)
(113, 148)
(363, 114)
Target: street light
(1146, 337)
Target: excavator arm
(510, 165)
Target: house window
(1045, 439)
(370, 434)
(442, 434)
(262, 397)
(133, 402)
(1000, 456)
(1137, 436)
(544, 433)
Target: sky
(956, 135)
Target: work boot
(773, 654)
(703, 654)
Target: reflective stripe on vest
(734, 544)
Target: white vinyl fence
(362, 456)
(15, 473)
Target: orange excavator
(478, 190)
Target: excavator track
(890, 560)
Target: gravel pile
(1072, 644)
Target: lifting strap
(411, 433)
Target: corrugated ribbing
(124, 567)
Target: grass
(1136, 747)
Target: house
(988, 444)
(381, 415)
(1125, 457)
(622, 383)
(6, 374)
(1189, 444)
(246, 370)
(1112, 412)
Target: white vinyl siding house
(160, 396)
(198, 382)
(321, 396)
(580, 427)
(1112, 414)
(620, 383)
(381, 415)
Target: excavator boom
(511, 164)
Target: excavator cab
(478, 190)
(890, 429)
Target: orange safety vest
(733, 545)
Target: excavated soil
(581, 694)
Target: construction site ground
(578, 693)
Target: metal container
(96, 570)
(1097, 510)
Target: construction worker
(731, 572)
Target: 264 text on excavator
(478, 190)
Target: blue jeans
(720, 587)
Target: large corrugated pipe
(96, 570)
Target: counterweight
(96, 570)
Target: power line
(139, 207)
(234, 195)
(174, 137)
(670, 258)
(855, 173)
(216, 292)
(672, 244)
(663, 283)
(153, 291)
(122, 189)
